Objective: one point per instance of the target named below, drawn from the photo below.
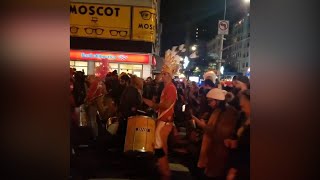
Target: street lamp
(193, 48)
(246, 1)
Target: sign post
(223, 29)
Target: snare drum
(140, 134)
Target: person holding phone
(214, 154)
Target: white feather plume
(181, 47)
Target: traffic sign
(223, 27)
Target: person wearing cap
(164, 123)
(214, 154)
(241, 83)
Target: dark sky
(174, 15)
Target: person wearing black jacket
(239, 162)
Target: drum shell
(140, 135)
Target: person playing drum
(165, 108)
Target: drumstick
(195, 118)
(193, 121)
(141, 111)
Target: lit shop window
(112, 66)
(131, 68)
(80, 66)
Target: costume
(95, 94)
(164, 122)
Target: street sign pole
(220, 55)
(222, 36)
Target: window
(81, 63)
(247, 64)
(80, 66)
(112, 66)
(131, 68)
(243, 65)
(248, 44)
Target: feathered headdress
(102, 70)
(171, 63)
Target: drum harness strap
(164, 112)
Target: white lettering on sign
(143, 129)
(100, 56)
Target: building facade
(237, 52)
(213, 47)
(123, 32)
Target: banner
(86, 55)
(100, 21)
(144, 24)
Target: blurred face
(166, 77)
(245, 105)
(148, 81)
(212, 102)
(122, 82)
(239, 85)
(158, 77)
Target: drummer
(165, 108)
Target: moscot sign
(112, 22)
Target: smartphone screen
(183, 108)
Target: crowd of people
(216, 117)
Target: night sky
(201, 13)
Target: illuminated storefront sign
(113, 22)
(111, 56)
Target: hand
(230, 143)
(200, 122)
(148, 102)
(231, 174)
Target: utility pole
(187, 42)
(221, 41)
